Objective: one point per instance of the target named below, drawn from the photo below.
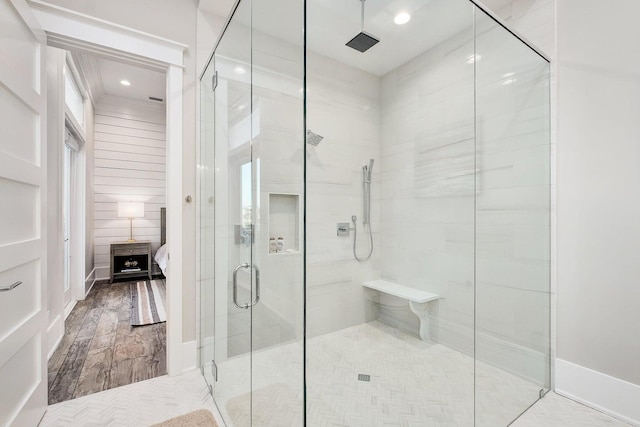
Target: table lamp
(130, 210)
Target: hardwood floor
(100, 350)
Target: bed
(162, 254)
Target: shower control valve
(343, 229)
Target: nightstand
(130, 259)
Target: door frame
(78, 188)
(70, 30)
(78, 213)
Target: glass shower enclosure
(448, 321)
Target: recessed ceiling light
(402, 18)
(506, 75)
(239, 70)
(508, 81)
(125, 82)
(473, 58)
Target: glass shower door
(252, 162)
(229, 279)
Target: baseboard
(55, 333)
(189, 356)
(605, 393)
(69, 308)
(90, 280)
(102, 273)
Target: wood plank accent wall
(129, 165)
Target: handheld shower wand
(366, 200)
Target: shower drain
(364, 377)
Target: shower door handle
(235, 286)
(254, 302)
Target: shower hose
(355, 239)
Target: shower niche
(284, 223)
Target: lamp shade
(130, 209)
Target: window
(73, 97)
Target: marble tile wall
(428, 187)
(442, 177)
(344, 107)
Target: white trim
(189, 355)
(55, 333)
(70, 30)
(174, 215)
(78, 208)
(67, 27)
(91, 277)
(605, 393)
(69, 308)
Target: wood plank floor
(100, 350)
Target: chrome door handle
(235, 286)
(11, 287)
(257, 286)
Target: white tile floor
(395, 395)
(412, 383)
(139, 404)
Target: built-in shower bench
(419, 300)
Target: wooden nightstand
(130, 259)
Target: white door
(23, 318)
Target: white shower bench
(419, 300)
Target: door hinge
(214, 81)
(214, 370)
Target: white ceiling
(104, 76)
(332, 23)
(144, 82)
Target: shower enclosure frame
(480, 7)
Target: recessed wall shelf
(284, 221)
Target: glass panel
(233, 275)
(73, 98)
(206, 175)
(512, 223)
(278, 170)
(407, 104)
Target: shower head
(363, 41)
(313, 138)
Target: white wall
(129, 165)
(598, 176)
(533, 19)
